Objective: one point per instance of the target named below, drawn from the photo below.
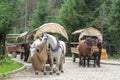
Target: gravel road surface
(71, 72)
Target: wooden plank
(12, 35)
(11, 48)
(74, 42)
(74, 50)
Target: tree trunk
(2, 46)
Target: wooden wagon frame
(13, 47)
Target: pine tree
(9, 10)
(73, 15)
(114, 22)
(93, 7)
(40, 14)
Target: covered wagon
(45, 28)
(83, 33)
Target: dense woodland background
(17, 16)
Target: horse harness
(57, 46)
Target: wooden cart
(12, 49)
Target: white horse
(57, 52)
(40, 56)
(34, 47)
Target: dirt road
(71, 72)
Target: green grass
(7, 65)
(115, 56)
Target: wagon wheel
(73, 57)
(14, 54)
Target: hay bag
(104, 54)
(38, 60)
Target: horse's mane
(52, 37)
(53, 42)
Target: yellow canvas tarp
(104, 54)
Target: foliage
(115, 56)
(8, 15)
(39, 15)
(7, 65)
(58, 3)
(9, 18)
(73, 15)
(93, 7)
(114, 24)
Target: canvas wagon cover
(89, 32)
(52, 28)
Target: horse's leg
(84, 61)
(57, 65)
(61, 64)
(44, 69)
(61, 67)
(51, 60)
(80, 60)
(95, 60)
(25, 56)
(36, 72)
(94, 65)
(99, 57)
(88, 62)
(63, 57)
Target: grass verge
(115, 56)
(7, 65)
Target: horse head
(34, 47)
(38, 43)
(88, 43)
(43, 38)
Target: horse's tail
(63, 46)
